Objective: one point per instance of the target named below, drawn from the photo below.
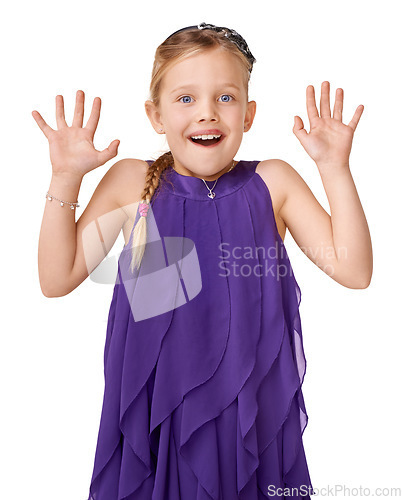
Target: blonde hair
(173, 50)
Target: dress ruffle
(212, 386)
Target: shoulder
(279, 176)
(126, 180)
(129, 176)
(295, 201)
(276, 170)
(129, 167)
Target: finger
(79, 109)
(60, 118)
(325, 108)
(42, 124)
(298, 129)
(93, 120)
(109, 152)
(338, 106)
(312, 110)
(356, 117)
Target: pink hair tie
(143, 209)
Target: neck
(213, 177)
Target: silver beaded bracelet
(50, 197)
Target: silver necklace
(211, 194)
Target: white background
(52, 348)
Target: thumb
(298, 128)
(110, 152)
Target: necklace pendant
(211, 195)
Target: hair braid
(152, 182)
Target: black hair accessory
(232, 35)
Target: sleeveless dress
(204, 359)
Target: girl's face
(203, 95)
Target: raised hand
(72, 150)
(329, 140)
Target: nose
(206, 111)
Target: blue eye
(185, 97)
(227, 98)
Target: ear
(154, 116)
(250, 114)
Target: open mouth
(206, 141)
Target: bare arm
(69, 251)
(350, 231)
(72, 154)
(56, 246)
(342, 240)
(339, 243)
(101, 222)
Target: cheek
(236, 115)
(177, 120)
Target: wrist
(65, 187)
(333, 168)
(66, 178)
(333, 164)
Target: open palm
(329, 140)
(71, 148)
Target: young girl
(204, 357)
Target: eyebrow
(183, 87)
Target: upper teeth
(204, 137)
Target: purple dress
(203, 396)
